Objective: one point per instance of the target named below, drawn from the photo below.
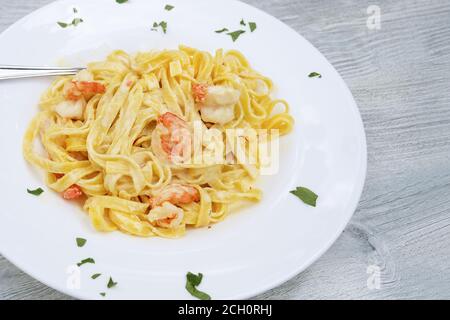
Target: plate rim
(351, 207)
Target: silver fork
(15, 72)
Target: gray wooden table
(400, 78)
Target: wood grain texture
(399, 76)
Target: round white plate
(253, 250)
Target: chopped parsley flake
(168, 7)
(84, 261)
(74, 23)
(162, 24)
(221, 30)
(81, 242)
(35, 192)
(315, 75)
(111, 283)
(192, 281)
(235, 34)
(306, 195)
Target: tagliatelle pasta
(122, 135)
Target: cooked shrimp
(217, 106)
(84, 75)
(176, 194)
(171, 121)
(222, 96)
(217, 114)
(199, 91)
(166, 216)
(73, 192)
(176, 142)
(79, 89)
(71, 109)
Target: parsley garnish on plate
(75, 22)
(96, 275)
(315, 75)
(103, 294)
(75, 10)
(235, 34)
(81, 242)
(306, 195)
(84, 261)
(168, 7)
(162, 24)
(221, 30)
(35, 192)
(121, 1)
(111, 283)
(192, 281)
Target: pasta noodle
(122, 136)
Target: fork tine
(30, 73)
(12, 67)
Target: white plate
(251, 251)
